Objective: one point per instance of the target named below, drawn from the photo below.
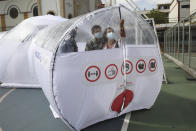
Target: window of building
(13, 12)
(185, 6)
(35, 11)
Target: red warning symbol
(152, 65)
(111, 71)
(92, 73)
(141, 66)
(128, 66)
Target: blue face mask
(111, 36)
(98, 35)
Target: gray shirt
(94, 44)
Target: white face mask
(98, 35)
(111, 36)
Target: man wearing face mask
(69, 45)
(110, 39)
(97, 42)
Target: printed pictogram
(111, 71)
(92, 73)
(152, 65)
(128, 66)
(140, 66)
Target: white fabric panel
(91, 102)
(42, 71)
(74, 86)
(147, 85)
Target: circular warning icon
(92, 73)
(140, 66)
(152, 65)
(111, 71)
(128, 66)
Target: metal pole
(178, 39)
(174, 41)
(164, 42)
(189, 44)
(170, 40)
(183, 43)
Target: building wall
(92, 5)
(177, 12)
(50, 5)
(24, 8)
(184, 12)
(173, 12)
(70, 7)
(192, 6)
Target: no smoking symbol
(152, 65)
(141, 66)
(128, 67)
(92, 73)
(111, 71)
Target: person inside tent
(110, 39)
(97, 42)
(69, 45)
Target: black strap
(120, 13)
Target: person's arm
(116, 45)
(75, 46)
(88, 47)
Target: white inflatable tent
(15, 67)
(86, 87)
(2, 34)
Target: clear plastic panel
(138, 32)
(85, 30)
(49, 38)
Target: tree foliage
(159, 17)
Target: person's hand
(122, 30)
(101, 6)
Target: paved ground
(174, 110)
(186, 62)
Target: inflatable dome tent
(85, 87)
(15, 67)
(2, 34)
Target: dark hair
(70, 16)
(51, 13)
(105, 33)
(95, 27)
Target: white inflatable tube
(15, 68)
(86, 87)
